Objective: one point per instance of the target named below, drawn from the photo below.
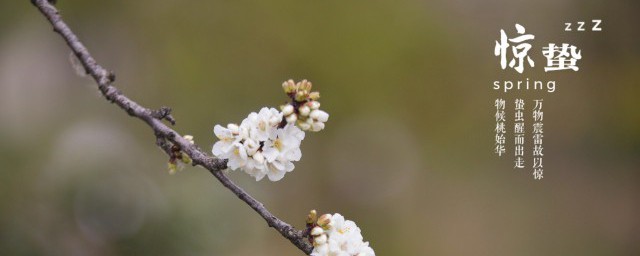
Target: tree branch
(165, 136)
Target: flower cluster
(333, 235)
(304, 108)
(259, 146)
(268, 142)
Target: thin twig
(166, 137)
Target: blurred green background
(407, 152)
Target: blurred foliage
(406, 153)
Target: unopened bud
(319, 115)
(301, 96)
(313, 105)
(289, 86)
(314, 95)
(312, 217)
(292, 118)
(304, 110)
(172, 168)
(305, 85)
(287, 110)
(188, 138)
(322, 239)
(185, 158)
(304, 125)
(317, 231)
(317, 126)
(324, 220)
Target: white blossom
(284, 143)
(226, 138)
(282, 148)
(340, 237)
(237, 156)
(258, 146)
(268, 142)
(261, 124)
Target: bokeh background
(407, 152)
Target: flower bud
(289, 86)
(312, 217)
(324, 220)
(292, 118)
(319, 115)
(313, 105)
(287, 110)
(322, 239)
(172, 167)
(304, 85)
(185, 158)
(317, 231)
(189, 138)
(304, 125)
(317, 126)
(301, 96)
(304, 110)
(323, 249)
(314, 96)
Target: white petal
(258, 157)
(294, 154)
(221, 132)
(278, 165)
(234, 128)
(270, 154)
(275, 174)
(219, 148)
(289, 166)
(264, 112)
(294, 131)
(259, 176)
(251, 146)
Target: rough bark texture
(166, 137)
